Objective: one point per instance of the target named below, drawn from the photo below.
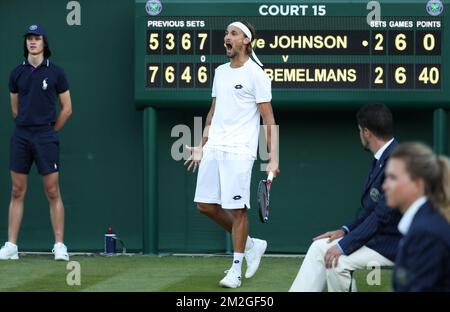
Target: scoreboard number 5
(153, 42)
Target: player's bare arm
(66, 110)
(196, 151)
(271, 133)
(14, 104)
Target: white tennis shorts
(224, 178)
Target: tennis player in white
(241, 94)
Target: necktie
(374, 166)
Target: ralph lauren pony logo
(44, 84)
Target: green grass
(155, 274)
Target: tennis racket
(263, 197)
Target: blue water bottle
(110, 242)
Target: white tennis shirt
(236, 120)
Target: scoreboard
(326, 54)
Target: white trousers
(313, 275)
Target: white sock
(237, 262)
(248, 243)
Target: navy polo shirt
(38, 88)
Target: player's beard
(233, 52)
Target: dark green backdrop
(323, 166)
(101, 172)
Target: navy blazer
(423, 260)
(376, 227)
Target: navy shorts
(39, 144)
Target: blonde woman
(418, 185)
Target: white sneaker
(60, 252)
(231, 280)
(253, 256)
(9, 252)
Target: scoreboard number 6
(400, 75)
(202, 74)
(186, 41)
(169, 74)
(400, 42)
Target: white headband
(248, 33)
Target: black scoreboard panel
(325, 76)
(338, 58)
(330, 42)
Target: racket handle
(270, 177)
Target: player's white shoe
(231, 280)
(9, 252)
(60, 252)
(253, 256)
